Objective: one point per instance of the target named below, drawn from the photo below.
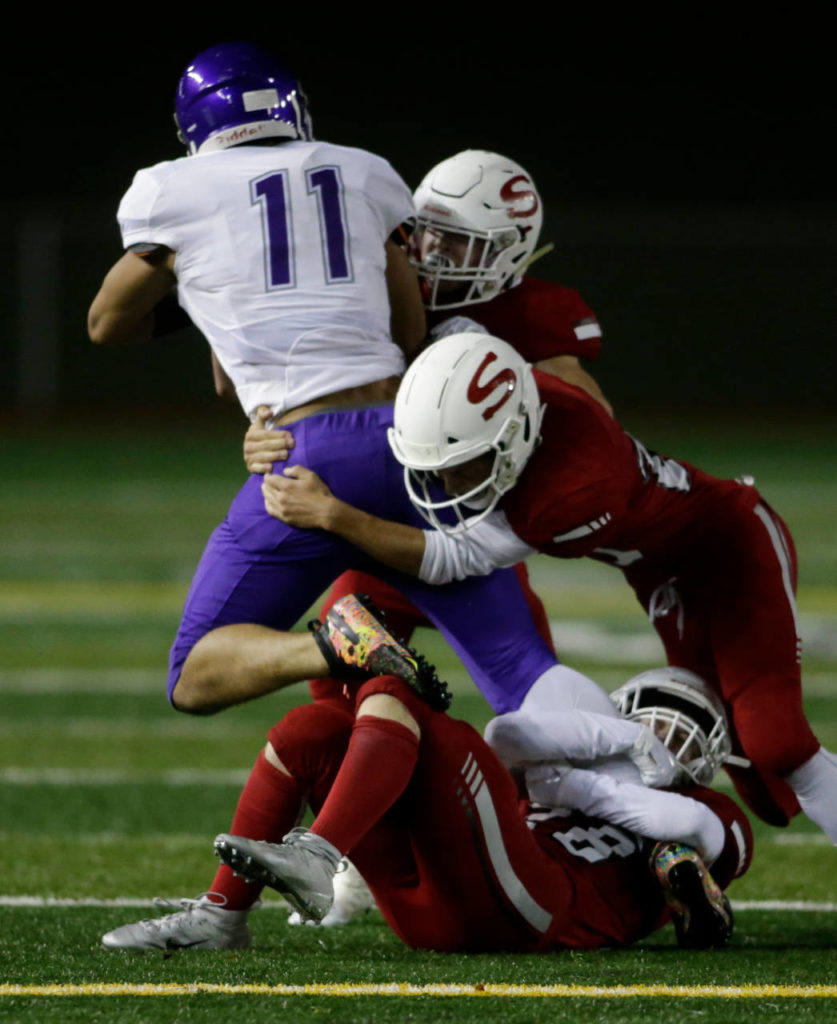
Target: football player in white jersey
(281, 251)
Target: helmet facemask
(461, 267)
(479, 501)
(488, 210)
(687, 742)
(686, 716)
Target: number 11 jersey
(280, 261)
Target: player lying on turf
(505, 461)
(457, 865)
(550, 746)
(453, 859)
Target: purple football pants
(256, 569)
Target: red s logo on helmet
(524, 202)
(477, 391)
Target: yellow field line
(404, 989)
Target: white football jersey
(280, 262)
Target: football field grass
(108, 798)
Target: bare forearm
(123, 309)
(407, 317)
(224, 387)
(395, 544)
(300, 498)
(113, 327)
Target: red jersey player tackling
(529, 464)
(479, 219)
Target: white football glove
(543, 782)
(456, 325)
(656, 763)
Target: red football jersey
(590, 489)
(538, 318)
(616, 899)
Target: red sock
(379, 763)
(269, 806)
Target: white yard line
(402, 989)
(127, 901)
(76, 680)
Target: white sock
(815, 785)
(562, 687)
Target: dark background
(687, 173)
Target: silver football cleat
(301, 867)
(199, 924)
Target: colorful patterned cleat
(701, 913)
(357, 645)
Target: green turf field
(106, 794)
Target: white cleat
(200, 924)
(352, 897)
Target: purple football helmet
(238, 92)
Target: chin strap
(536, 255)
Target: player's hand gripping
(299, 498)
(263, 447)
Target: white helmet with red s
(491, 206)
(466, 396)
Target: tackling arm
(570, 370)
(578, 736)
(653, 813)
(123, 310)
(301, 499)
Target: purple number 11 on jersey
(272, 194)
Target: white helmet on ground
(466, 396)
(490, 204)
(683, 711)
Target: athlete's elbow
(106, 329)
(97, 327)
